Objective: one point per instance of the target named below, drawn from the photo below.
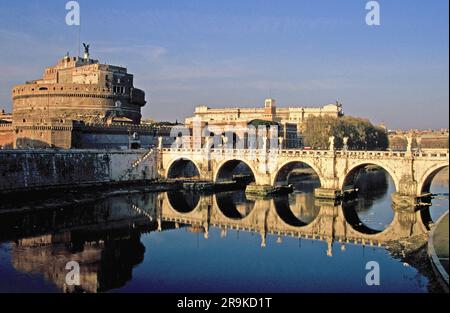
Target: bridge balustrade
(290, 152)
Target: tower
(270, 109)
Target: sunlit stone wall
(28, 169)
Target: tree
(362, 134)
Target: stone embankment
(438, 247)
(23, 170)
(417, 251)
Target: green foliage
(165, 123)
(257, 123)
(361, 133)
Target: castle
(78, 103)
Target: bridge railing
(434, 154)
(440, 154)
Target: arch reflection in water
(322, 219)
(182, 201)
(297, 209)
(370, 211)
(234, 204)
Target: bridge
(411, 171)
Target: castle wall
(6, 136)
(51, 135)
(118, 136)
(72, 135)
(88, 103)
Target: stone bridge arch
(181, 162)
(286, 163)
(229, 163)
(425, 180)
(360, 164)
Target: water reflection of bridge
(105, 238)
(325, 220)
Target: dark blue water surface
(183, 242)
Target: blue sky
(237, 52)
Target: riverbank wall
(35, 169)
(438, 250)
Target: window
(118, 89)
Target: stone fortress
(78, 103)
(79, 89)
(75, 92)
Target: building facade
(6, 130)
(422, 139)
(289, 120)
(270, 112)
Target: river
(225, 242)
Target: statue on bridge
(224, 141)
(280, 142)
(331, 141)
(409, 140)
(419, 143)
(178, 143)
(345, 143)
(209, 143)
